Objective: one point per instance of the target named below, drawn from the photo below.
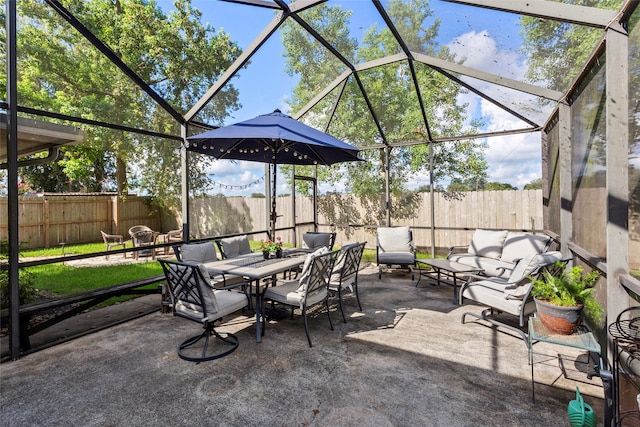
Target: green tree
(536, 184)
(61, 71)
(498, 186)
(556, 51)
(388, 88)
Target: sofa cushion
(520, 245)
(235, 246)
(487, 243)
(489, 266)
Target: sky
(488, 43)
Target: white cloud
(514, 159)
(481, 52)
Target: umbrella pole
(273, 203)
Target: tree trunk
(121, 176)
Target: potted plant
(268, 247)
(562, 299)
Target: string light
(238, 187)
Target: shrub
(28, 291)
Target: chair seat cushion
(486, 294)
(230, 302)
(400, 258)
(347, 281)
(286, 292)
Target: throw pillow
(519, 245)
(487, 243)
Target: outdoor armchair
(141, 235)
(113, 241)
(345, 273)
(394, 247)
(309, 289)
(511, 295)
(174, 235)
(194, 299)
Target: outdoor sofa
(497, 252)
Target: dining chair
(345, 273)
(194, 299)
(203, 252)
(315, 240)
(308, 289)
(231, 247)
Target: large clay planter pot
(561, 320)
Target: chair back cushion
(487, 243)
(235, 246)
(395, 239)
(317, 281)
(348, 261)
(316, 240)
(191, 295)
(306, 268)
(520, 245)
(198, 253)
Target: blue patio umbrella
(274, 138)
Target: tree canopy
(388, 88)
(61, 71)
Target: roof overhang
(35, 136)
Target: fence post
(47, 223)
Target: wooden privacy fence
(455, 219)
(50, 220)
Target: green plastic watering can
(580, 413)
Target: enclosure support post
(431, 202)
(617, 171)
(566, 194)
(12, 178)
(184, 168)
(387, 185)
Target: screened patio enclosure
(409, 83)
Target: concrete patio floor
(405, 360)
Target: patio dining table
(255, 267)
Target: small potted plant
(561, 300)
(268, 247)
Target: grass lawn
(60, 279)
